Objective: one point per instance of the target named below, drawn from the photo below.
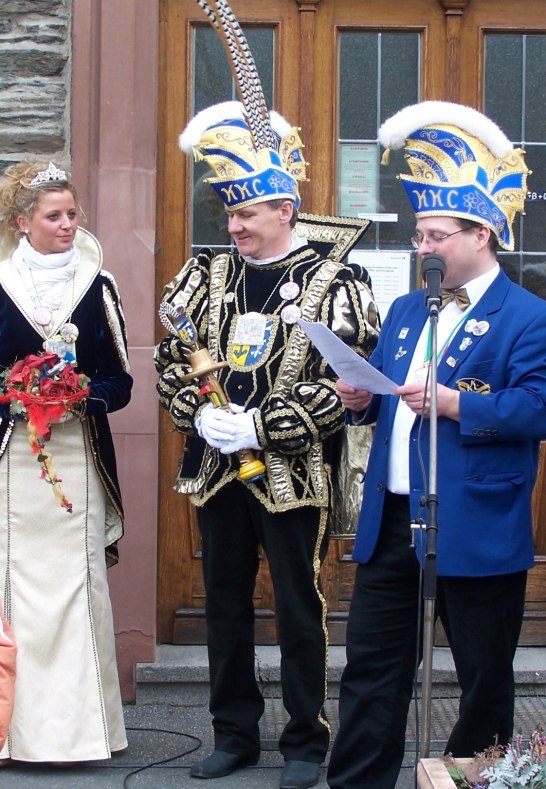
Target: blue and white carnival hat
(462, 165)
(245, 173)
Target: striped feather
(243, 67)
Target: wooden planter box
(433, 774)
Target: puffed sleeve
(310, 410)
(189, 289)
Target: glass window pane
(533, 222)
(209, 216)
(358, 68)
(379, 73)
(213, 83)
(261, 41)
(503, 83)
(511, 265)
(535, 88)
(212, 80)
(393, 200)
(534, 274)
(514, 84)
(399, 72)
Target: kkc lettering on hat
(434, 198)
(229, 192)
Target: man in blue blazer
(467, 183)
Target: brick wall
(34, 80)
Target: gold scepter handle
(203, 367)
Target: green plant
(514, 767)
(520, 767)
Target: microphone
(433, 268)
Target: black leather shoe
(299, 775)
(221, 763)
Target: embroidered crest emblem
(473, 385)
(248, 356)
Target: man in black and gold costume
(244, 305)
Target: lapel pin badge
(290, 290)
(290, 313)
(399, 353)
(480, 328)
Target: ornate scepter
(203, 367)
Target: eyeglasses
(436, 238)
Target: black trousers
(233, 525)
(482, 619)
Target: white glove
(245, 431)
(226, 430)
(214, 425)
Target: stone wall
(35, 80)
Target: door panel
(180, 581)
(309, 36)
(381, 16)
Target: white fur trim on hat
(394, 132)
(226, 110)
(279, 124)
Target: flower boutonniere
(41, 388)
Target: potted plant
(513, 767)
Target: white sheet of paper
(354, 370)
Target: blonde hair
(18, 198)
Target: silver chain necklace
(283, 275)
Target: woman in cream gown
(53, 561)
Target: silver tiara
(51, 174)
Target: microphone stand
(431, 532)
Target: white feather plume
(394, 132)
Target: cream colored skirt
(55, 594)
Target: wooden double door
(312, 53)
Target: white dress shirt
(448, 323)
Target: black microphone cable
(198, 742)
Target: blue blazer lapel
(465, 342)
(402, 346)
(404, 335)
